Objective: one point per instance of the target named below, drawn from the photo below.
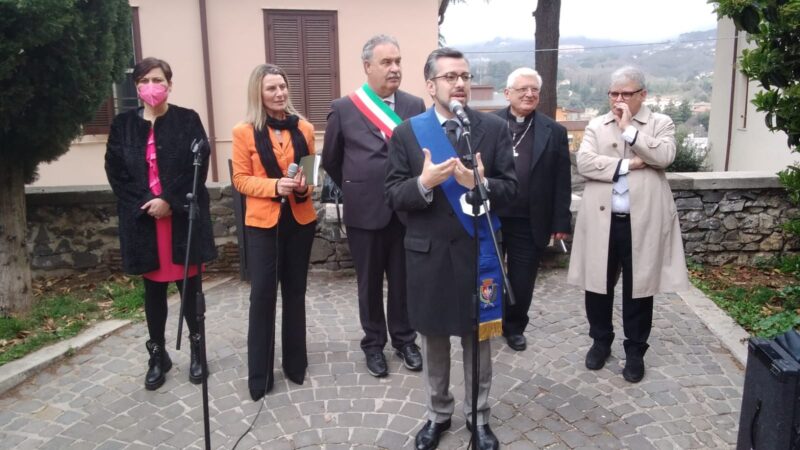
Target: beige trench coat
(658, 260)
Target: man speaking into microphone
(427, 179)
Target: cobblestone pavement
(543, 397)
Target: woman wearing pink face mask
(149, 164)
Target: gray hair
(374, 41)
(523, 72)
(443, 52)
(628, 73)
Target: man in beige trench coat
(627, 221)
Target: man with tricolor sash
(427, 178)
(354, 154)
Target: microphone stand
(194, 244)
(482, 200)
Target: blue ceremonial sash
(430, 135)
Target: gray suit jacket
(355, 152)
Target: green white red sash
(375, 110)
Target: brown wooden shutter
(101, 123)
(305, 45)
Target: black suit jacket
(549, 186)
(440, 255)
(355, 152)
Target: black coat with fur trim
(127, 172)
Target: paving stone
(543, 397)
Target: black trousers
(637, 313)
(375, 253)
(522, 259)
(277, 255)
(155, 307)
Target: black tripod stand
(479, 198)
(193, 247)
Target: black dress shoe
(258, 392)
(634, 369)
(486, 439)
(411, 357)
(295, 378)
(597, 356)
(428, 437)
(516, 342)
(376, 364)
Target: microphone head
(292, 170)
(454, 106)
(457, 108)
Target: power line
(565, 50)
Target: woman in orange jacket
(279, 224)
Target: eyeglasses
(526, 90)
(613, 95)
(452, 77)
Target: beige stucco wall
(171, 30)
(752, 145)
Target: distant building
(700, 107)
(484, 98)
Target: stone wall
(732, 217)
(75, 229)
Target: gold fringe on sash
(489, 330)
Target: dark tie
(451, 129)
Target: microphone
(197, 144)
(290, 173)
(457, 108)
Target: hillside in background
(678, 70)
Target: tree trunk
(15, 269)
(547, 15)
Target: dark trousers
(155, 307)
(522, 259)
(375, 253)
(637, 313)
(277, 255)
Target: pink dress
(167, 270)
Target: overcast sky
(623, 20)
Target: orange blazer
(250, 177)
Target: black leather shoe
(517, 342)
(634, 368)
(295, 378)
(195, 367)
(376, 364)
(256, 394)
(428, 437)
(411, 357)
(158, 366)
(597, 356)
(486, 439)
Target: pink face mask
(153, 93)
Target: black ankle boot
(195, 366)
(159, 365)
